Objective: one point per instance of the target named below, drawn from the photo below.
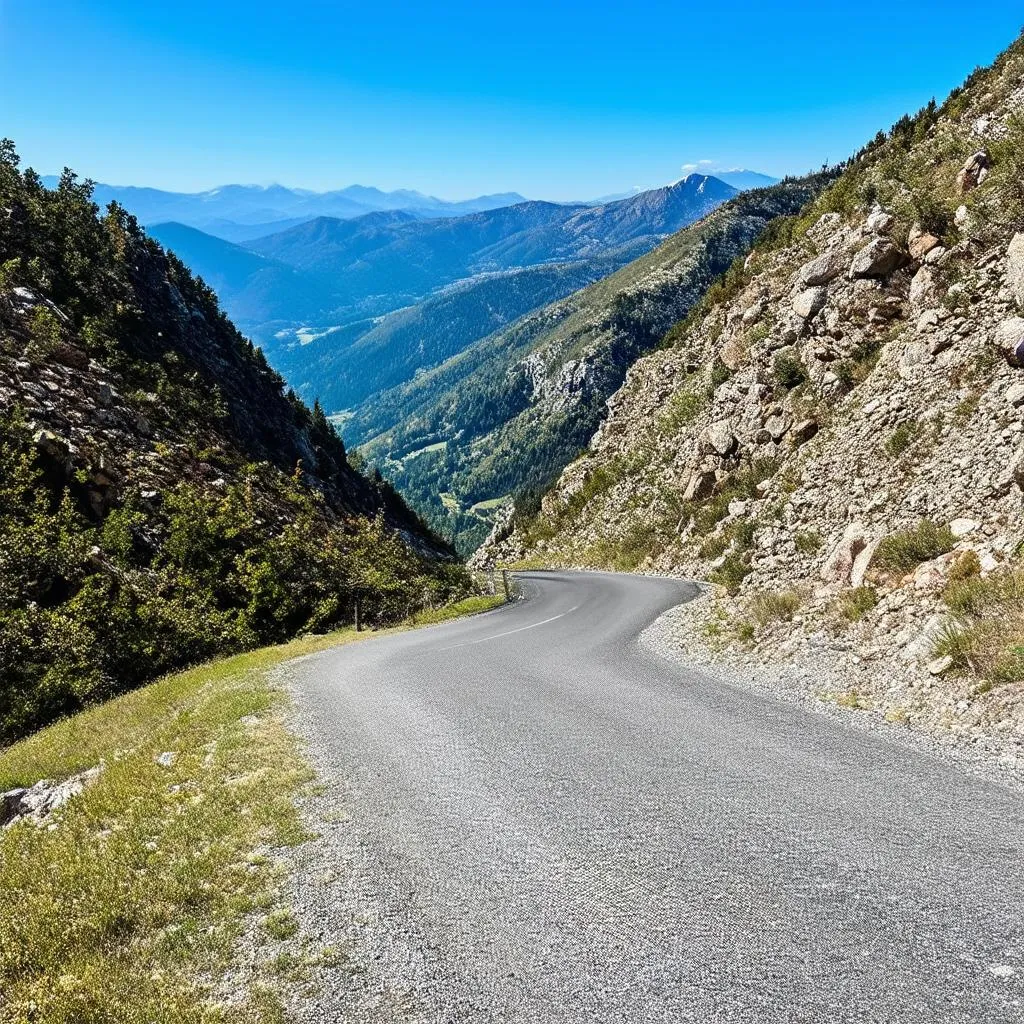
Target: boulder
(877, 259)
(940, 665)
(721, 439)
(920, 243)
(839, 564)
(777, 426)
(924, 293)
(805, 430)
(879, 222)
(973, 172)
(809, 301)
(1014, 394)
(862, 562)
(1015, 268)
(1009, 339)
(822, 269)
(962, 527)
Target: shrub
(906, 549)
(856, 603)
(986, 637)
(789, 371)
(731, 573)
(774, 606)
(902, 438)
(807, 541)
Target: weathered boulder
(1014, 394)
(700, 485)
(862, 562)
(777, 426)
(1009, 339)
(924, 293)
(805, 430)
(877, 259)
(809, 301)
(1015, 268)
(879, 222)
(973, 172)
(839, 564)
(822, 269)
(720, 438)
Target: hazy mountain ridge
(837, 439)
(234, 208)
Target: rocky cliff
(836, 438)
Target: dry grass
(986, 637)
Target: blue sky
(559, 100)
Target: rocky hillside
(835, 438)
(161, 498)
(498, 421)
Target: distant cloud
(700, 166)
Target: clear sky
(554, 99)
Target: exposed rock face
(864, 404)
(973, 172)
(1015, 268)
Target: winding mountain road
(531, 817)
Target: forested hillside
(835, 437)
(500, 420)
(162, 499)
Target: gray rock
(877, 259)
(973, 172)
(11, 801)
(1009, 339)
(879, 222)
(700, 485)
(822, 269)
(1014, 394)
(805, 430)
(721, 438)
(923, 291)
(809, 301)
(920, 243)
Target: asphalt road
(530, 817)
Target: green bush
(774, 606)
(732, 572)
(906, 549)
(856, 603)
(902, 438)
(789, 371)
(807, 542)
(986, 636)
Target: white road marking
(509, 632)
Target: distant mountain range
(330, 273)
(238, 213)
(742, 180)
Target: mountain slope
(161, 498)
(504, 416)
(347, 367)
(258, 289)
(837, 438)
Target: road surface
(530, 817)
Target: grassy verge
(131, 907)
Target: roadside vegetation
(127, 903)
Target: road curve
(528, 817)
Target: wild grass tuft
(906, 549)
